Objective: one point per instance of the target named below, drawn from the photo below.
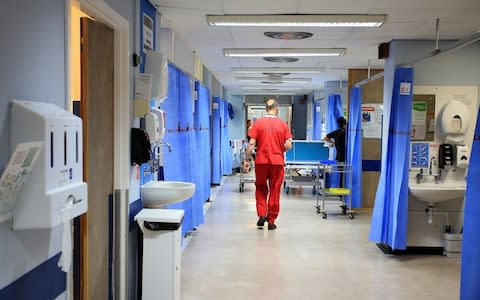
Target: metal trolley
(245, 177)
(335, 194)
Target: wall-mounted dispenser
(446, 156)
(56, 191)
(155, 125)
(462, 156)
(140, 148)
(455, 121)
(157, 65)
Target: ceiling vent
(272, 82)
(276, 74)
(281, 59)
(288, 35)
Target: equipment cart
(342, 194)
(245, 177)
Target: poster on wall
(419, 121)
(372, 120)
(147, 33)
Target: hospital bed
(302, 164)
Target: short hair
(341, 122)
(271, 104)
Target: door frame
(103, 13)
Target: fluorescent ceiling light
(302, 70)
(277, 88)
(273, 93)
(297, 20)
(272, 52)
(273, 78)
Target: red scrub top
(270, 133)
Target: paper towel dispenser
(157, 65)
(55, 189)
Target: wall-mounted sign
(419, 121)
(147, 33)
(405, 88)
(372, 120)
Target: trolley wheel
(351, 216)
(318, 210)
(324, 215)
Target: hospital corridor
(238, 150)
(305, 258)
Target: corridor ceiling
(406, 19)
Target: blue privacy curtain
(227, 155)
(390, 213)
(317, 121)
(469, 284)
(216, 146)
(354, 145)
(334, 111)
(179, 165)
(202, 134)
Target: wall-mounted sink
(158, 194)
(436, 193)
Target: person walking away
(338, 139)
(272, 137)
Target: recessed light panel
(296, 70)
(297, 20)
(273, 52)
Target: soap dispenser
(462, 156)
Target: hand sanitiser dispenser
(55, 192)
(155, 125)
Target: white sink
(436, 193)
(158, 194)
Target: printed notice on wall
(20, 165)
(419, 121)
(143, 94)
(147, 33)
(372, 120)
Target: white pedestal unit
(161, 253)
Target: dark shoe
(272, 226)
(261, 221)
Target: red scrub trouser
(268, 182)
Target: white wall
(32, 60)
(184, 57)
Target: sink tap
(168, 146)
(419, 176)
